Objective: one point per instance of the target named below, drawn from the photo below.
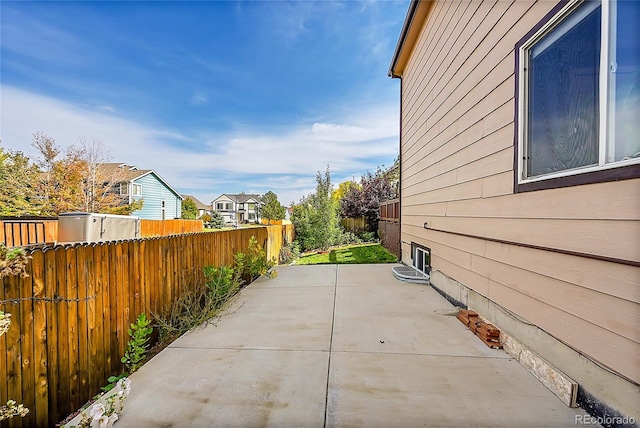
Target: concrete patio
(338, 346)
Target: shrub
(289, 253)
(254, 264)
(369, 237)
(221, 281)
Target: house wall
(457, 177)
(229, 216)
(153, 192)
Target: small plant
(254, 263)
(13, 261)
(137, 345)
(289, 253)
(5, 322)
(105, 414)
(12, 409)
(200, 303)
(221, 281)
(113, 381)
(369, 237)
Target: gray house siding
(154, 191)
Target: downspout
(396, 76)
(400, 173)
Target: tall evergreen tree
(272, 209)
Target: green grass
(355, 254)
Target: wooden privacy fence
(70, 315)
(169, 227)
(279, 236)
(389, 226)
(355, 225)
(390, 211)
(24, 231)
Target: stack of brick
(465, 316)
(488, 333)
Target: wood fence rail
(71, 314)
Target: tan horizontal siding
(602, 201)
(618, 239)
(459, 55)
(457, 176)
(492, 133)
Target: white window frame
(605, 137)
(423, 255)
(136, 189)
(124, 188)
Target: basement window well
(420, 265)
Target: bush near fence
(70, 315)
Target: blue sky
(215, 96)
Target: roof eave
(416, 16)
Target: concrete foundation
(602, 393)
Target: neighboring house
(239, 208)
(520, 176)
(202, 208)
(161, 201)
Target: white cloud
(283, 161)
(107, 108)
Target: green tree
(343, 189)
(216, 221)
(272, 209)
(364, 199)
(316, 218)
(17, 181)
(189, 209)
(78, 179)
(125, 209)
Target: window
(252, 216)
(224, 206)
(252, 206)
(136, 189)
(579, 95)
(421, 258)
(162, 209)
(124, 188)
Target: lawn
(354, 254)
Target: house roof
(199, 205)
(240, 198)
(131, 173)
(417, 15)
